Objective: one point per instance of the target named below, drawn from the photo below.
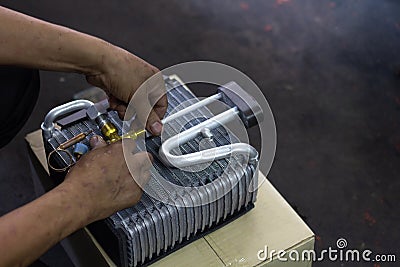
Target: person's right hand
(102, 182)
(121, 74)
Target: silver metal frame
(48, 123)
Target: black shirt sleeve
(19, 91)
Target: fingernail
(156, 128)
(94, 140)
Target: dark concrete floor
(329, 69)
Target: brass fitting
(108, 129)
(110, 132)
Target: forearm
(29, 42)
(26, 233)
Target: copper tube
(73, 140)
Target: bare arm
(29, 42)
(27, 232)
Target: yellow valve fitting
(110, 132)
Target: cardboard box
(271, 225)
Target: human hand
(101, 181)
(120, 75)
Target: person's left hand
(102, 182)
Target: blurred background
(330, 70)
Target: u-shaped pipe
(207, 155)
(48, 123)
